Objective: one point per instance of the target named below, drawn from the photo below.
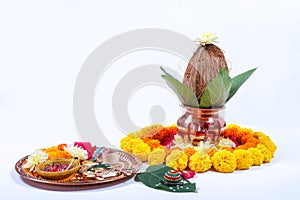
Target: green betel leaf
(153, 177)
(217, 91)
(185, 95)
(238, 81)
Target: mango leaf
(238, 81)
(185, 95)
(153, 177)
(217, 91)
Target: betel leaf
(238, 81)
(185, 95)
(153, 177)
(217, 91)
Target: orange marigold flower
(189, 151)
(244, 136)
(55, 152)
(152, 143)
(211, 152)
(61, 146)
(166, 134)
(230, 130)
(228, 149)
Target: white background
(44, 43)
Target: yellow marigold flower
(266, 140)
(177, 159)
(266, 153)
(128, 143)
(224, 161)
(157, 156)
(257, 156)
(243, 159)
(141, 150)
(199, 162)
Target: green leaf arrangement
(153, 177)
(218, 92)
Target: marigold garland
(144, 141)
(243, 136)
(239, 149)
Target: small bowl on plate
(58, 168)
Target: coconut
(203, 67)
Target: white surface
(44, 43)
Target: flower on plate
(57, 152)
(224, 161)
(76, 151)
(243, 159)
(199, 162)
(207, 38)
(35, 158)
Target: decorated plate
(115, 165)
